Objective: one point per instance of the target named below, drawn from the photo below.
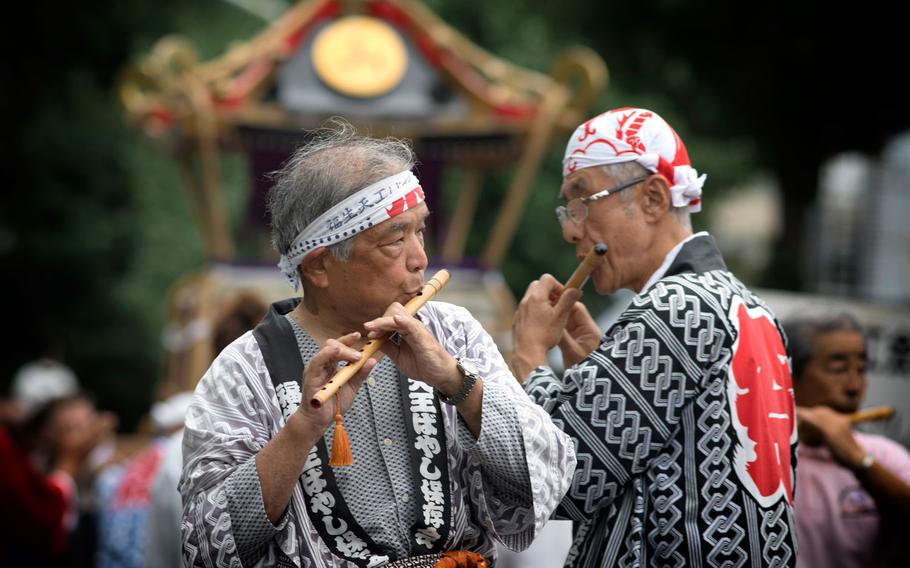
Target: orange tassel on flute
(873, 413)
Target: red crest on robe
(761, 398)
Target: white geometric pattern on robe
(649, 413)
(235, 413)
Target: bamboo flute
(588, 264)
(873, 413)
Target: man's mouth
(412, 293)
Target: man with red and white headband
(449, 454)
(682, 412)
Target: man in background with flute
(682, 412)
(448, 451)
(854, 489)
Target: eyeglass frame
(562, 212)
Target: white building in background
(859, 237)
(885, 273)
(747, 246)
(834, 231)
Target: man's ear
(313, 270)
(654, 197)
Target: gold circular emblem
(360, 56)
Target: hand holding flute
(379, 331)
(550, 314)
(821, 425)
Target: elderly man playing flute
(854, 488)
(449, 454)
(682, 411)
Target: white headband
(358, 212)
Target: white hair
(627, 171)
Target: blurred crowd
(74, 494)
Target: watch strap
(469, 379)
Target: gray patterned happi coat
(683, 420)
(236, 411)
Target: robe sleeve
(624, 401)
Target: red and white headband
(639, 135)
(358, 212)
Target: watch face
(468, 367)
(359, 56)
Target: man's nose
(417, 255)
(572, 232)
(856, 381)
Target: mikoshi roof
(391, 67)
(272, 82)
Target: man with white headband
(682, 412)
(449, 454)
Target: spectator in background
(50, 519)
(126, 499)
(33, 506)
(42, 381)
(162, 540)
(853, 489)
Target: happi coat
(683, 420)
(467, 492)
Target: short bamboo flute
(590, 262)
(873, 413)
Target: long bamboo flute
(588, 264)
(433, 285)
(873, 413)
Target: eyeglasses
(577, 209)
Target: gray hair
(801, 332)
(627, 171)
(332, 165)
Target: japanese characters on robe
(684, 426)
(503, 485)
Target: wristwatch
(469, 372)
(867, 462)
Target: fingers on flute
(349, 339)
(333, 351)
(542, 288)
(568, 299)
(364, 371)
(396, 319)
